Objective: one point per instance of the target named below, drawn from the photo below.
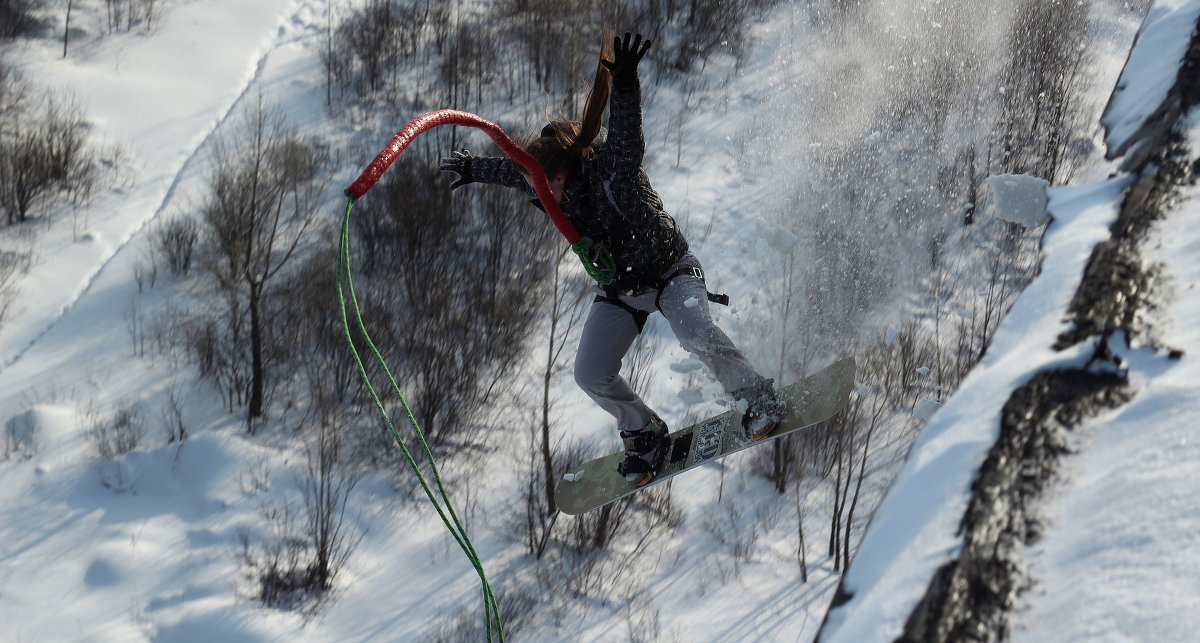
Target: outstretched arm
(626, 142)
(484, 169)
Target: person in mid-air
(604, 192)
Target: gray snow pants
(610, 330)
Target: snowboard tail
(810, 401)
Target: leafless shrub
(20, 432)
(145, 273)
(727, 525)
(214, 341)
(125, 15)
(46, 158)
(462, 273)
(276, 568)
(119, 433)
(326, 486)
(468, 66)
(296, 563)
(172, 417)
(174, 241)
(12, 266)
(19, 17)
(600, 551)
(135, 323)
(115, 435)
(643, 619)
(371, 44)
(518, 51)
(518, 605)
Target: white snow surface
(1151, 69)
(160, 96)
(1118, 561)
(159, 560)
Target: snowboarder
(603, 190)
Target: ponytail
(563, 144)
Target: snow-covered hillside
(151, 546)
(1105, 539)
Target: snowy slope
(158, 559)
(159, 96)
(916, 527)
(1116, 560)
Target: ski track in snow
(288, 15)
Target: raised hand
(626, 56)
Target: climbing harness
(612, 295)
(694, 272)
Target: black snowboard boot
(762, 408)
(644, 452)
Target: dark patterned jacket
(610, 200)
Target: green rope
(491, 607)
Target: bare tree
(263, 195)
(566, 311)
(67, 27)
(326, 487)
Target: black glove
(459, 163)
(626, 56)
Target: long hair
(563, 144)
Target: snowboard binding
(763, 409)
(645, 450)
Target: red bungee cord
(428, 121)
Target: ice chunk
(687, 365)
(777, 237)
(691, 395)
(925, 409)
(1020, 199)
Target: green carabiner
(597, 260)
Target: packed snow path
(163, 109)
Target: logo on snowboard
(708, 441)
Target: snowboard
(810, 401)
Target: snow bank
(915, 529)
(1141, 96)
